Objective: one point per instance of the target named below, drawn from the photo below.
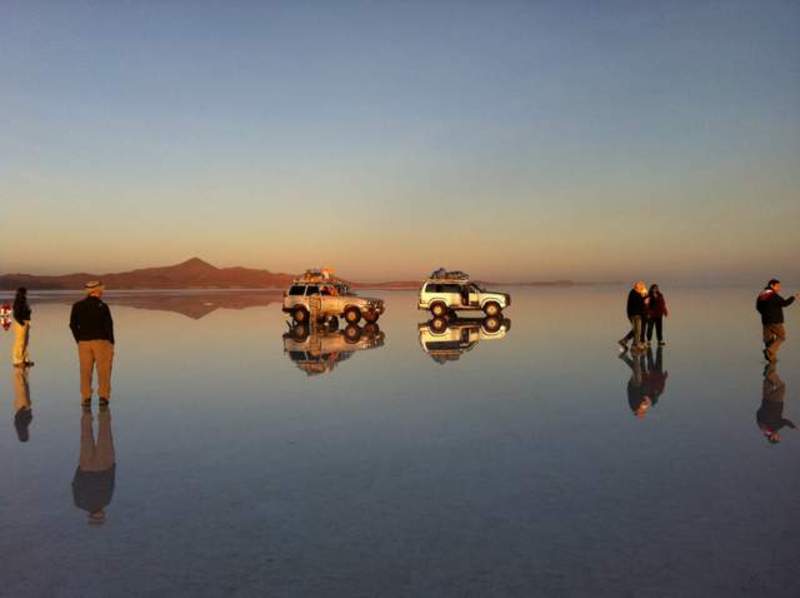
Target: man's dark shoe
(86, 402)
(103, 402)
(28, 364)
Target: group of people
(646, 309)
(93, 330)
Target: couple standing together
(93, 330)
(646, 311)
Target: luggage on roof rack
(442, 274)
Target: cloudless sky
(514, 140)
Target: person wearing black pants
(656, 312)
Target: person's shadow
(647, 382)
(93, 484)
(23, 414)
(770, 414)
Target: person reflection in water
(23, 414)
(647, 382)
(638, 398)
(93, 484)
(770, 415)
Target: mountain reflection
(318, 349)
(194, 304)
(770, 414)
(446, 340)
(93, 483)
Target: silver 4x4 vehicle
(446, 292)
(324, 298)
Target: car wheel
(491, 324)
(352, 333)
(491, 309)
(300, 314)
(439, 309)
(438, 325)
(352, 315)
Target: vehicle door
(474, 295)
(314, 299)
(452, 294)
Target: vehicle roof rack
(442, 274)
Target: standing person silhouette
(770, 305)
(635, 309)
(93, 483)
(93, 329)
(21, 321)
(656, 312)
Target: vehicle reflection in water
(318, 348)
(93, 484)
(770, 414)
(23, 414)
(446, 339)
(648, 380)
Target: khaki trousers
(774, 337)
(91, 353)
(19, 351)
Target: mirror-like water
(500, 460)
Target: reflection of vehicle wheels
(491, 309)
(439, 309)
(371, 316)
(299, 332)
(372, 329)
(352, 315)
(491, 324)
(352, 333)
(438, 324)
(300, 314)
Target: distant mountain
(198, 274)
(191, 274)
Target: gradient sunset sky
(513, 140)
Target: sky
(513, 140)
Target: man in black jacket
(93, 329)
(770, 305)
(635, 310)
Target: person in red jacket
(656, 312)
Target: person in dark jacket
(770, 415)
(93, 483)
(770, 305)
(21, 321)
(635, 310)
(93, 329)
(656, 312)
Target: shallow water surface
(254, 460)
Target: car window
(312, 290)
(326, 291)
(297, 290)
(451, 288)
(432, 287)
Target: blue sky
(510, 139)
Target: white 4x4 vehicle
(447, 293)
(322, 297)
